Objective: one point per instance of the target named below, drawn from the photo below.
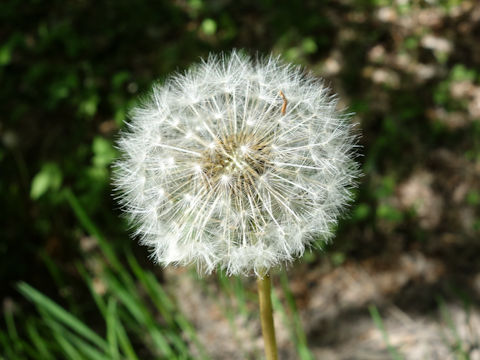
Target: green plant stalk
(266, 316)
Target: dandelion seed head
(238, 163)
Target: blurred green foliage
(71, 70)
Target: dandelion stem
(268, 329)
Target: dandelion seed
(239, 163)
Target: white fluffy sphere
(239, 163)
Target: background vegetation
(401, 280)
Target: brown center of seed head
(238, 160)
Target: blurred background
(400, 281)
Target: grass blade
(111, 326)
(88, 350)
(6, 346)
(124, 342)
(12, 329)
(40, 344)
(90, 227)
(58, 334)
(61, 314)
(96, 297)
(141, 314)
(155, 291)
(301, 338)
(377, 319)
(458, 346)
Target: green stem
(268, 329)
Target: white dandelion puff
(239, 163)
